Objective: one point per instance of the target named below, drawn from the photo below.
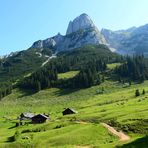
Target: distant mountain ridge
(131, 41)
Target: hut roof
(41, 115)
(74, 111)
(27, 115)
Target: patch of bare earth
(81, 122)
(121, 135)
(83, 147)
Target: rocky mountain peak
(81, 31)
(81, 22)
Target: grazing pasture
(117, 106)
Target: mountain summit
(81, 22)
(81, 31)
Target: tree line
(135, 68)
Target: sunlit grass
(67, 75)
(116, 103)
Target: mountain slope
(88, 60)
(21, 63)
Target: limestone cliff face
(81, 31)
(81, 22)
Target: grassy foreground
(117, 106)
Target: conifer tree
(143, 92)
(137, 93)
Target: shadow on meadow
(26, 92)
(62, 92)
(141, 142)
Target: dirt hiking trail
(121, 135)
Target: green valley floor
(116, 106)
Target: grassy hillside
(117, 106)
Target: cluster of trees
(134, 68)
(86, 78)
(137, 92)
(5, 91)
(90, 75)
(64, 64)
(41, 79)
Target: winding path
(121, 135)
(49, 58)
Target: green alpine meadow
(86, 88)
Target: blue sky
(24, 21)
